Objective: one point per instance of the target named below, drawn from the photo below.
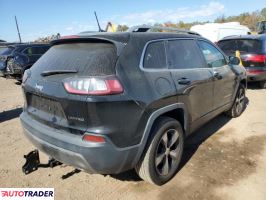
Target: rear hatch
(46, 97)
(252, 52)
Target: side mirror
(234, 60)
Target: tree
(263, 13)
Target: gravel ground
(225, 159)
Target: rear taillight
(256, 58)
(93, 86)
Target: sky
(40, 18)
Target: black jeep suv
(110, 102)
(252, 53)
(19, 57)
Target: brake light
(256, 58)
(69, 37)
(93, 86)
(94, 138)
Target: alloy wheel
(240, 101)
(167, 153)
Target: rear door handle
(184, 81)
(217, 75)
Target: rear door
(224, 77)
(193, 81)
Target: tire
(239, 103)
(163, 154)
(262, 84)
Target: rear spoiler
(76, 38)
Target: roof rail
(146, 28)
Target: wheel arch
(177, 111)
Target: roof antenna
(100, 30)
(18, 29)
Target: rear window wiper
(53, 72)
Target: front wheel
(164, 151)
(239, 103)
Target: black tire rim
(240, 101)
(167, 153)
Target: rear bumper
(102, 158)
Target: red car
(253, 54)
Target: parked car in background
(15, 59)
(216, 31)
(252, 52)
(110, 102)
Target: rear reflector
(94, 138)
(93, 86)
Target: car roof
(28, 44)
(237, 37)
(124, 37)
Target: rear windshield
(87, 58)
(242, 45)
(6, 50)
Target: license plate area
(39, 103)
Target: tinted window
(28, 51)
(243, 45)
(213, 56)
(35, 50)
(87, 58)
(41, 50)
(183, 54)
(155, 56)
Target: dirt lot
(225, 159)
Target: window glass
(28, 51)
(213, 56)
(242, 45)
(40, 50)
(93, 59)
(155, 56)
(184, 54)
(36, 50)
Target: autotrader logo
(27, 193)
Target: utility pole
(18, 29)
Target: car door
(224, 77)
(193, 81)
